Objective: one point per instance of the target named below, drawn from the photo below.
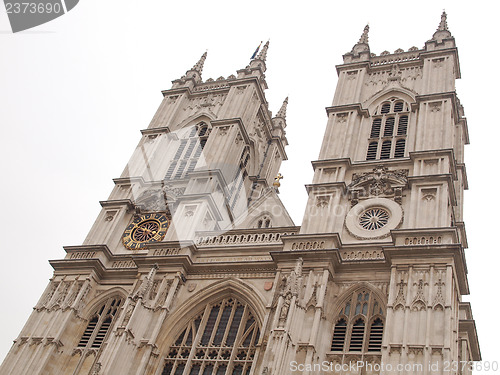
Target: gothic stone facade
(194, 266)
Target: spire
(263, 53)
(199, 65)
(443, 26)
(282, 111)
(363, 39)
(442, 31)
(362, 45)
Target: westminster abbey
(194, 266)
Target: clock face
(145, 229)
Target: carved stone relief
(380, 182)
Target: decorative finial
(282, 111)
(277, 179)
(263, 53)
(443, 26)
(442, 31)
(364, 36)
(199, 65)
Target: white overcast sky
(75, 92)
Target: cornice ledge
(311, 242)
(177, 90)
(348, 107)
(327, 187)
(79, 265)
(331, 162)
(433, 96)
(118, 202)
(461, 166)
(163, 129)
(182, 261)
(425, 236)
(129, 180)
(286, 260)
(463, 235)
(77, 248)
(353, 65)
(469, 327)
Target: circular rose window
(374, 218)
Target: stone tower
(387, 193)
(194, 266)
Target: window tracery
(388, 130)
(239, 178)
(360, 324)
(188, 152)
(264, 222)
(220, 340)
(99, 324)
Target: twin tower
(194, 266)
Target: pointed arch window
(189, 151)
(371, 154)
(99, 324)
(264, 222)
(376, 333)
(385, 152)
(399, 151)
(398, 107)
(376, 125)
(359, 326)
(220, 340)
(402, 125)
(389, 127)
(239, 179)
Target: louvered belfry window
(389, 126)
(360, 325)
(99, 324)
(220, 340)
(188, 152)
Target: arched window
(385, 152)
(372, 151)
(239, 178)
(376, 125)
(339, 335)
(402, 125)
(386, 108)
(220, 340)
(389, 127)
(399, 152)
(357, 335)
(389, 114)
(398, 107)
(99, 324)
(376, 332)
(189, 151)
(359, 328)
(202, 129)
(264, 222)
